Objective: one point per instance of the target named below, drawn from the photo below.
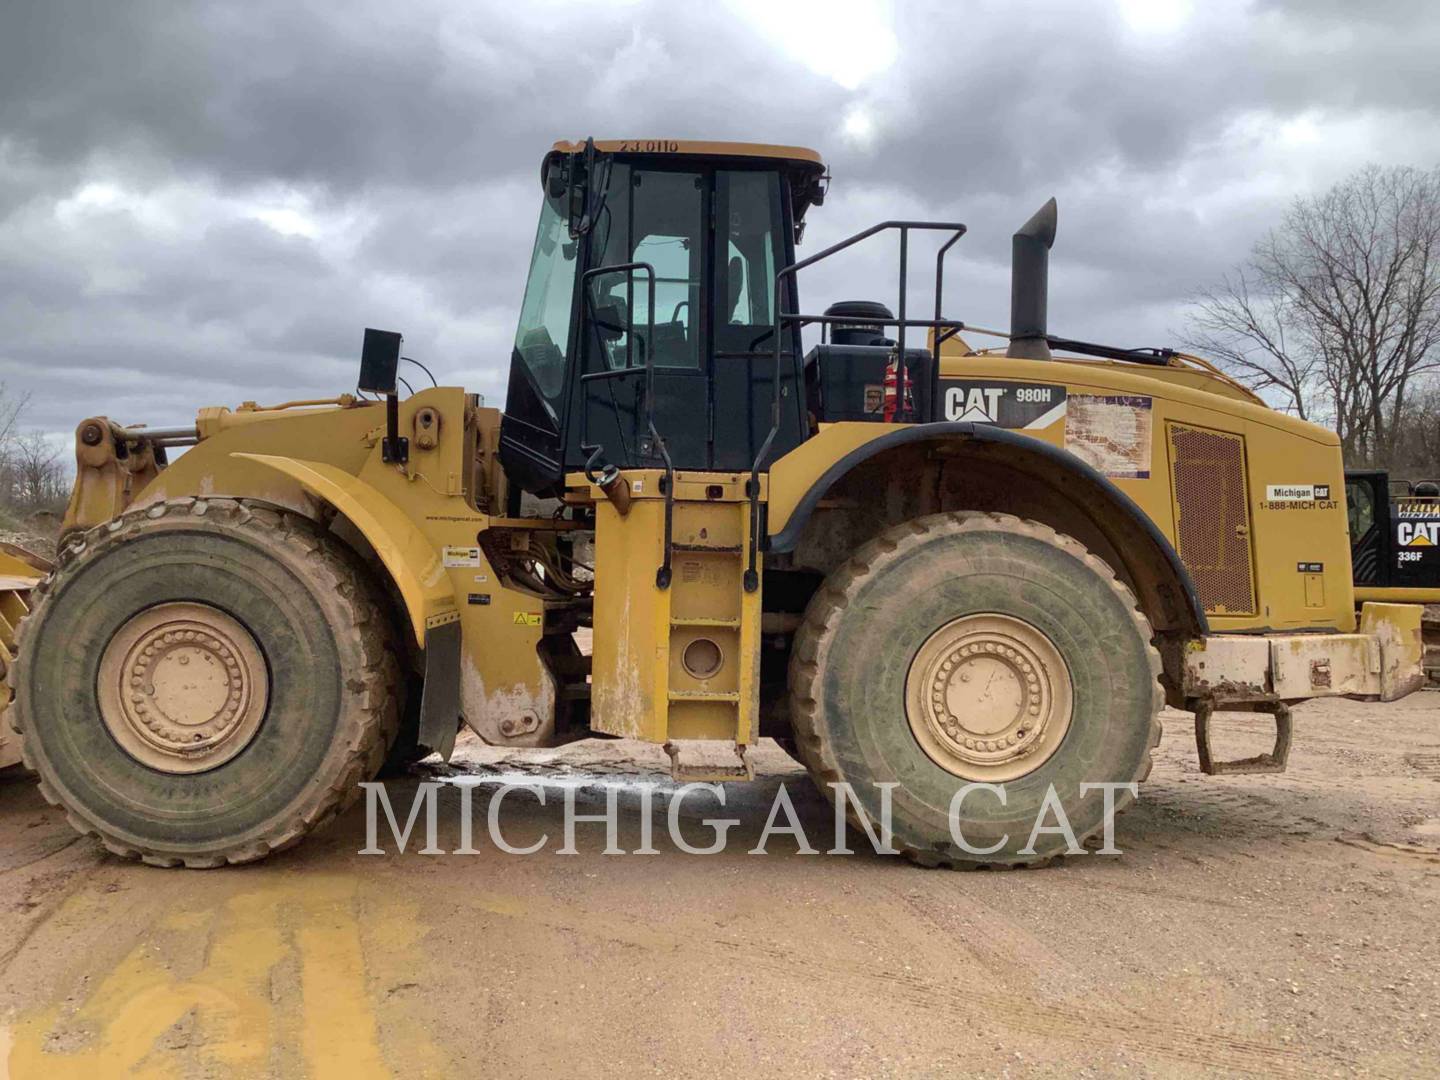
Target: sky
(206, 202)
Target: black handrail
(662, 575)
(1153, 357)
(782, 319)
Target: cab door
(752, 244)
(1367, 506)
(657, 215)
(716, 237)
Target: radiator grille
(1212, 517)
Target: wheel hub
(183, 687)
(988, 697)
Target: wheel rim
(988, 698)
(182, 687)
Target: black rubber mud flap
(440, 700)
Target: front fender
(410, 559)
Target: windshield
(544, 331)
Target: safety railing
(647, 349)
(628, 370)
(942, 328)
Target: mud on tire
(853, 653)
(318, 621)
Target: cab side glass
(654, 217)
(1360, 507)
(544, 330)
(748, 205)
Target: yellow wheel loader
(20, 572)
(920, 566)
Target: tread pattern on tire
(369, 715)
(827, 608)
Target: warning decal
(1111, 433)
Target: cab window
(655, 217)
(1360, 505)
(543, 334)
(747, 212)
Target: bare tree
(32, 476)
(11, 408)
(1339, 307)
(39, 482)
(1247, 327)
(1417, 450)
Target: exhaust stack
(1029, 284)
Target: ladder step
(700, 621)
(693, 760)
(704, 695)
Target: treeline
(1335, 316)
(32, 475)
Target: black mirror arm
(587, 190)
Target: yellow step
(704, 695)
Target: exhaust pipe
(1029, 284)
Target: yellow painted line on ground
(233, 1015)
(119, 1023)
(339, 1033)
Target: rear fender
(798, 482)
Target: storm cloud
(202, 203)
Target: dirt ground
(1280, 925)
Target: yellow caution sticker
(527, 618)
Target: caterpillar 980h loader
(913, 563)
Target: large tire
(407, 749)
(1430, 637)
(873, 621)
(321, 695)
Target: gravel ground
(1278, 925)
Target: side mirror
(564, 178)
(587, 176)
(554, 175)
(612, 319)
(578, 195)
(379, 366)
(379, 361)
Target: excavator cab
(651, 301)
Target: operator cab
(701, 227)
(1394, 530)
